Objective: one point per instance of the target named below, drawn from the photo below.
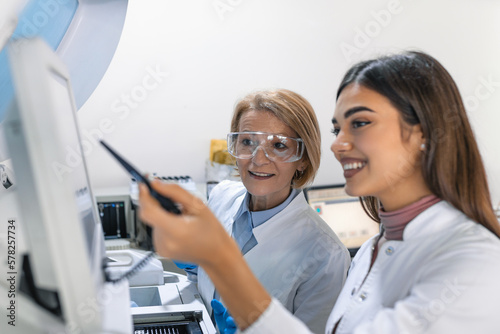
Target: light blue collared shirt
(244, 219)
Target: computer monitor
(343, 213)
(63, 269)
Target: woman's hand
(197, 236)
(194, 236)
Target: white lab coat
(298, 258)
(443, 278)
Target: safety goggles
(244, 145)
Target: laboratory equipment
(83, 33)
(343, 213)
(175, 307)
(62, 278)
(116, 214)
(6, 177)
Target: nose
(260, 156)
(341, 144)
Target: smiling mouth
(260, 174)
(354, 165)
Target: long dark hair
(424, 93)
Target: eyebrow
(352, 111)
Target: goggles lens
(244, 145)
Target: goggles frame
(266, 145)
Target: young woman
(408, 151)
(300, 261)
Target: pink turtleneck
(395, 221)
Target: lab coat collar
(420, 227)
(261, 217)
(289, 216)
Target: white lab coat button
(363, 296)
(389, 250)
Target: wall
(181, 65)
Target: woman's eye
(279, 146)
(335, 131)
(247, 142)
(358, 124)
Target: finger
(217, 306)
(172, 191)
(189, 202)
(151, 211)
(230, 324)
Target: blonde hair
(297, 113)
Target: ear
(417, 136)
(423, 144)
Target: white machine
(175, 307)
(62, 272)
(59, 283)
(161, 302)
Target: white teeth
(261, 174)
(354, 165)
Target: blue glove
(224, 321)
(185, 265)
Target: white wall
(181, 65)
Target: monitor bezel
(59, 256)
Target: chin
(349, 190)
(354, 191)
(254, 190)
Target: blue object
(48, 20)
(223, 319)
(185, 265)
(133, 304)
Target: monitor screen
(343, 213)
